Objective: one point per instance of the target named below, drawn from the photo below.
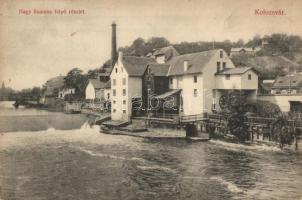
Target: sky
(36, 47)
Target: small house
(290, 84)
(95, 90)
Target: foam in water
(242, 147)
(230, 186)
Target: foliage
(140, 47)
(76, 79)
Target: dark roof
(245, 49)
(159, 69)
(56, 82)
(196, 62)
(293, 81)
(97, 84)
(136, 66)
(266, 86)
(169, 52)
(108, 84)
(104, 74)
(234, 71)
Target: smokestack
(185, 65)
(113, 44)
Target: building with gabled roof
(163, 55)
(189, 84)
(126, 84)
(95, 89)
(244, 51)
(290, 84)
(203, 77)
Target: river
(48, 156)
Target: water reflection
(25, 119)
(83, 163)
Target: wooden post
(297, 141)
(252, 133)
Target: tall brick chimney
(113, 44)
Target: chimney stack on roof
(113, 44)
(185, 65)
(120, 55)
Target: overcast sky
(37, 47)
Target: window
(124, 92)
(195, 92)
(124, 101)
(124, 111)
(114, 81)
(114, 110)
(171, 81)
(227, 77)
(114, 92)
(224, 65)
(108, 95)
(250, 77)
(114, 102)
(195, 79)
(115, 70)
(218, 66)
(221, 54)
(124, 81)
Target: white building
(126, 83)
(204, 76)
(199, 80)
(244, 51)
(95, 90)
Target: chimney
(185, 65)
(120, 55)
(113, 44)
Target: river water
(48, 156)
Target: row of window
(194, 80)
(114, 92)
(124, 111)
(228, 77)
(114, 81)
(124, 102)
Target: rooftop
(196, 62)
(97, 84)
(159, 69)
(234, 71)
(293, 81)
(136, 66)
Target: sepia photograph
(150, 100)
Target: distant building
(163, 55)
(126, 84)
(52, 89)
(95, 90)
(244, 51)
(265, 87)
(290, 84)
(63, 91)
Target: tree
(75, 79)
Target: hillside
(269, 67)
